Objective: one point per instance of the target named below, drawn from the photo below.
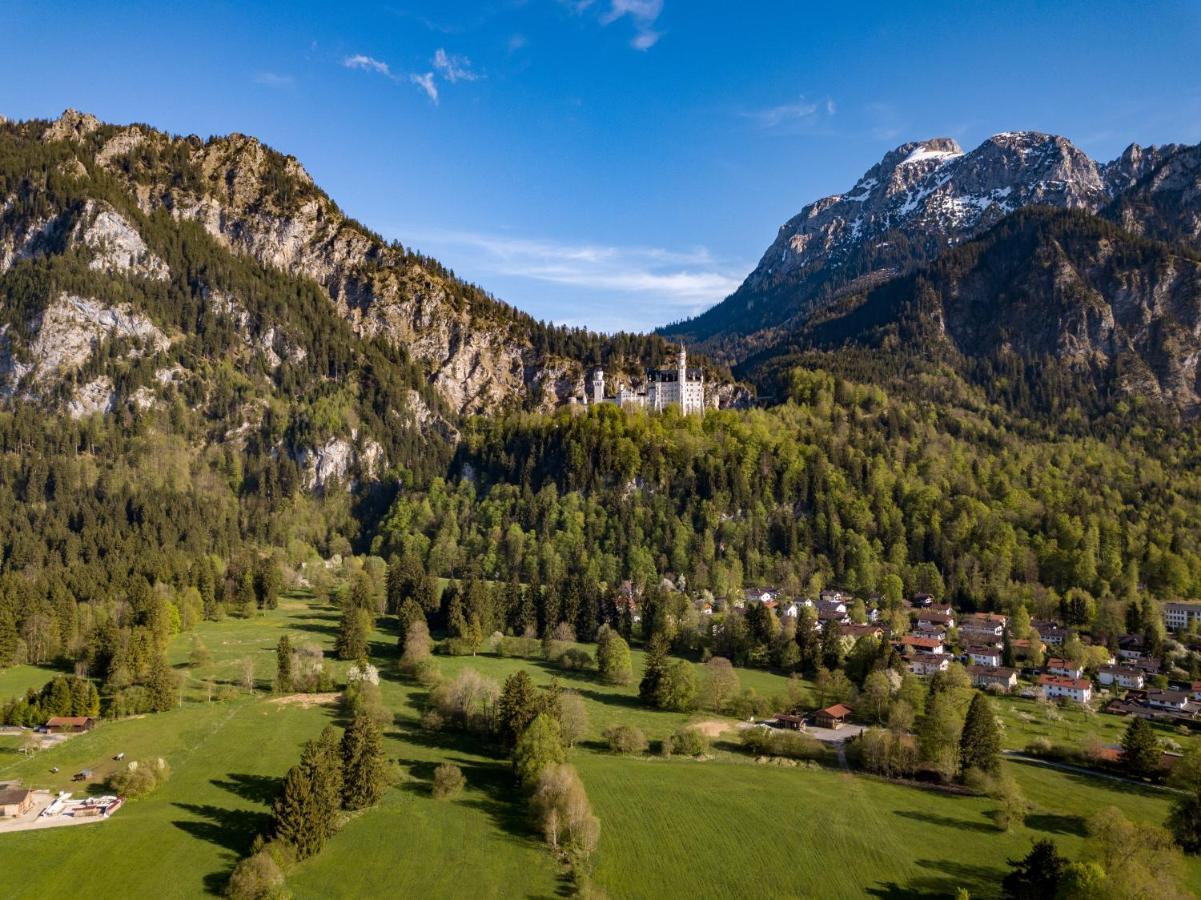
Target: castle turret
(682, 364)
(598, 386)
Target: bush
(520, 647)
(566, 816)
(448, 781)
(456, 646)
(689, 742)
(787, 744)
(257, 877)
(626, 739)
(468, 701)
(139, 778)
(575, 660)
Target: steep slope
(920, 200)
(479, 353)
(1042, 285)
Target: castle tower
(682, 364)
(598, 386)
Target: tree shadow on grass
(262, 789)
(944, 878)
(625, 701)
(1057, 824)
(945, 821)
(233, 829)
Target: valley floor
(724, 827)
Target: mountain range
(1023, 246)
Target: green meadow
(724, 827)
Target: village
(1050, 663)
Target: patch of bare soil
(712, 728)
(306, 700)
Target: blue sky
(613, 163)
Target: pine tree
(364, 766)
(1007, 658)
(283, 665)
(298, 817)
(1140, 748)
(656, 665)
(324, 759)
(980, 742)
(163, 685)
(517, 707)
(9, 638)
(351, 641)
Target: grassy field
(670, 828)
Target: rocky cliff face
(919, 201)
(1043, 285)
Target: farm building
(15, 801)
(832, 716)
(70, 724)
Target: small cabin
(832, 716)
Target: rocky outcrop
(116, 245)
(338, 459)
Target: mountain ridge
(921, 199)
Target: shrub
(139, 778)
(626, 739)
(456, 646)
(566, 816)
(575, 660)
(788, 744)
(257, 877)
(520, 647)
(416, 647)
(689, 742)
(468, 701)
(448, 781)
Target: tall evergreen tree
(283, 665)
(1140, 748)
(353, 628)
(652, 674)
(980, 741)
(517, 707)
(364, 766)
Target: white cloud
(273, 79)
(454, 68)
(359, 61)
(800, 112)
(689, 280)
(426, 83)
(643, 14)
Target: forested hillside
(842, 485)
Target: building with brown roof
(15, 801)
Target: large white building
(680, 387)
(1178, 614)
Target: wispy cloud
(687, 281)
(426, 83)
(643, 14)
(801, 112)
(454, 68)
(368, 64)
(273, 79)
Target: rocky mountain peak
(72, 125)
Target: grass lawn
(670, 828)
(1025, 720)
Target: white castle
(679, 387)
